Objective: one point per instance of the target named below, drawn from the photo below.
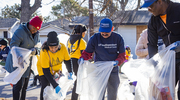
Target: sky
(44, 10)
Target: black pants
(44, 83)
(178, 76)
(19, 89)
(75, 65)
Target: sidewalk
(33, 93)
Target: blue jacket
(22, 37)
(4, 52)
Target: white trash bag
(92, 79)
(162, 82)
(15, 76)
(125, 92)
(64, 84)
(153, 76)
(34, 65)
(34, 60)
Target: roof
(85, 20)
(55, 26)
(132, 18)
(61, 23)
(8, 22)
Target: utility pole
(91, 22)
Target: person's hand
(80, 61)
(57, 89)
(33, 51)
(70, 76)
(116, 63)
(177, 47)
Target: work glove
(177, 47)
(133, 83)
(57, 89)
(33, 51)
(116, 63)
(80, 61)
(70, 76)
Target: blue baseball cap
(105, 25)
(147, 3)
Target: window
(5, 34)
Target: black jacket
(156, 28)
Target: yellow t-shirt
(77, 53)
(56, 60)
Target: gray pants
(113, 84)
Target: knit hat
(52, 40)
(4, 41)
(36, 22)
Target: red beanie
(36, 22)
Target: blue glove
(177, 47)
(70, 76)
(116, 63)
(80, 61)
(133, 83)
(57, 89)
(33, 51)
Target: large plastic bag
(92, 79)
(64, 83)
(162, 82)
(34, 60)
(34, 65)
(159, 72)
(15, 76)
(125, 92)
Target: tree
(69, 9)
(11, 12)
(46, 19)
(27, 10)
(15, 12)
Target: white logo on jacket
(108, 45)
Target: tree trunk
(27, 10)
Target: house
(8, 27)
(129, 26)
(60, 26)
